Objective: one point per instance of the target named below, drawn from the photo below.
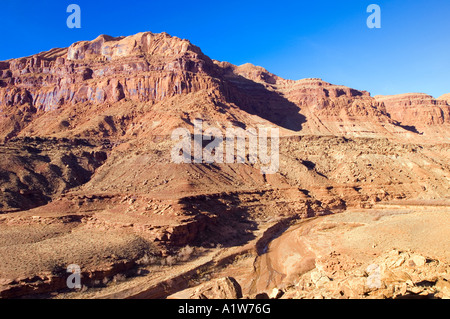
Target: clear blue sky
(293, 39)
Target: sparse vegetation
(147, 260)
(185, 253)
(119, 278)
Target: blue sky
(328, 39)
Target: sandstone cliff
(115, 86)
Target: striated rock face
(321, 90)
(142, 67)
(445, 97)
(417, 108)
(250, 72)
(108, 85)
(333, 100)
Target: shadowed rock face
(33, 170)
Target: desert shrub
(185, 253)
(147, 260)
(105, 281)
(171, 260)
(119, 278)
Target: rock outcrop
(394, 275)
(416, 109)
(222, 288)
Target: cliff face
(142, 67)
(445, 97)
(114, 86)
(417, 109)
(145, 67)
(328, 100)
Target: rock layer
(131, 79)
